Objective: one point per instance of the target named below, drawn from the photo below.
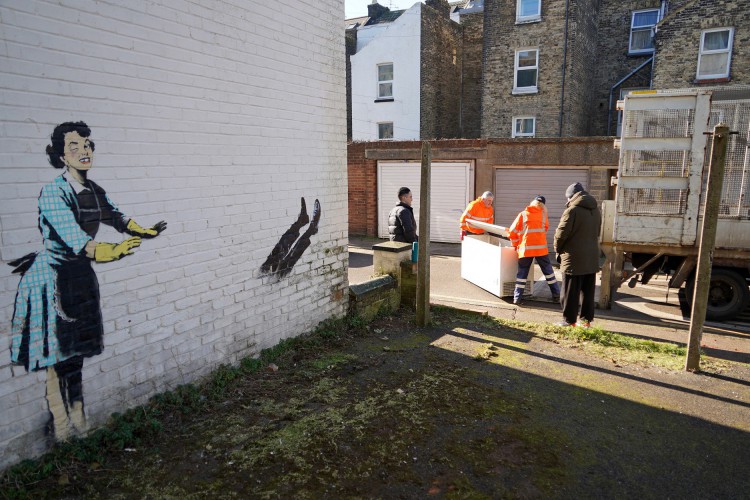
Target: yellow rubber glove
(152, 232)
(107, 252)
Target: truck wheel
(728, 295)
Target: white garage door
(516, 187)
(450, 195)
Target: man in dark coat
(401, 223)
(577, 249)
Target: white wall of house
(397, 42)
(215, 116)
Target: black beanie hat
(541, 198)
(573, 189)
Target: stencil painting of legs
(282, 259)
(271, 265)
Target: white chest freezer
(491, 262)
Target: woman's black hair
(57, 148)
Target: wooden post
(605, 288)
(423, 265)
(707, 241)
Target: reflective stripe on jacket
(476, 210)
(528, 233)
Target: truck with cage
(652, 225)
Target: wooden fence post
(707, 241)
(423, 265)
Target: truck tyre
(728, 295)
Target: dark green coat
(577, 236)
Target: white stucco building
(385, 73)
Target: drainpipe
(622, 80)
(565, 58)
(461, 87)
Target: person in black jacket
(401, 223)
(577, 248)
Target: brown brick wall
(502, 38)
(597, 153)
(363, 190)
(678, 42)
(440, 74)
(613, 61)
(471, 79)
(582, 39)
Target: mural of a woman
(57, 319)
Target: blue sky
(357, 8)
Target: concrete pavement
(650, 311)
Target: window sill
(525, 91)
(705, 81)
(641, 53)
(529, 20)
(384, 99)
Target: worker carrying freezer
(478, 210)
(528, 235)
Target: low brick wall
(377, 295)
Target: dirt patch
(466, 408)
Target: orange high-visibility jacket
(477, 211)
(528, 233)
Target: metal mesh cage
(656, 163)
(647, 201)
(658, 123)
(731, 106)
(735, 197)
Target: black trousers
(573, 288)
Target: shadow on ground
(465, 408)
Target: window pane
(524, 126)
(385, 72)
(529, 8)
(385, 90)
(385, 130)
(527, 58)
(526, 78)
(713, 64)
(527, 126)
(641, 40)
(716, 40)
(645, 18)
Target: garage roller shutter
(516, 187)
(450, 195)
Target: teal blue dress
(57, 312)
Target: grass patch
(620, 349)
(615, 346)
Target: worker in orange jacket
(479, 210)
(528, 235)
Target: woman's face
(78, 153)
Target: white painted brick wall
(216, 116)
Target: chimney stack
(375, 10)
